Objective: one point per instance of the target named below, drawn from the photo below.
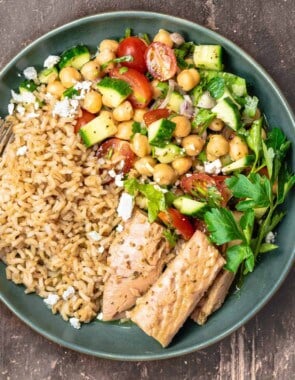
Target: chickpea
(217, 146)
(182, 165)
(140, 145)
(124, 131)
(69, 76)
(138, 114)
(105, 56)
(193, 145)
(237, 148)
(90, 71)
(164, 37)
(211, 157)
(164, 174)
(216, 125)
(92, 102)
(156, 91)
(187, 79)
(56, 88)
(123, 112)
(183, 126)
(111, 45)
(145, 166)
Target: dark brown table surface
(264, 347)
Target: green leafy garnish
(171, 237)
(124, 58)
(70, 92)
(128, 32)
(138, 128)
(254, 140)
(202, 120)
(183, 51)
(250, 107)
(216, 87)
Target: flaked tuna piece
(136, 259)
(162, 311)
(214, 298)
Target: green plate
(128, 342)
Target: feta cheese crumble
(75, 323)
(66, 107)
(112, 173)
(25, 97)
(125, 206)
(100, 249)
(20, 109)
(119, 180)
(51, 61)
(51, 300)
(83, 87)
(22, 150)
(93, 235)
(119, 228)
(99, 316)
(213, 167)
(10, 108)
(30, 73)
(270, 238)
(68, 293)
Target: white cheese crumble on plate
(93, 235)
(51, 61)
(213, 167)
(125, 206)
(100, 249)
(112, 173)
(25, 97)
(75, 323)
(68, 293)
(22, 150)
(270, 238)
(66, 108)
(30, 73)
(119, 180)
(10, 108)
(51, 300)
(119, 228)
(99, 316)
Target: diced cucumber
(160, 132)
(175, 101)
(98, 129)
(227, 94)
(167, 154)
(228, 112)
(76, 57)
(188, 206)
(48, 75)
(27, 85)
(114, 91)
(240, 164)
(237, 85)
(208, 57)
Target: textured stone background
(264, 347)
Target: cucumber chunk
(114, 91)
(160, 132)
(167, 154)
(188, 206)
(208, 57)
(237, 85)
(98, 129)
(240, 164)
(27, 85)
(227, 94)
(228, 112)
(76, 57)
(175, 101)
(48, 75)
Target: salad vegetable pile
(195, 148)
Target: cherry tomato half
(154, 115)
(84, 119)
(120, 150)
(161, 61)
(199, 184)
(135, 47)
(141, 88)
(173, 218)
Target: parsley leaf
(222, 226)
(247, 224)
(171, 237)
(216, 87)
(202, 120)
(138, 128)
(255, 189)
(182, 52)
(236, 254)
(254, 140)
(285, 182)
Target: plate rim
(283, 274)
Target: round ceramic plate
(128, 342)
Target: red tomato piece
(141, 88)
(161, 61)
(154, 115)
(198, 184)
(135, 47)
(181, 223)
(119, 149)
(84, 119)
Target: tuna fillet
(136, 259)
(214, 298)
(162, 311)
